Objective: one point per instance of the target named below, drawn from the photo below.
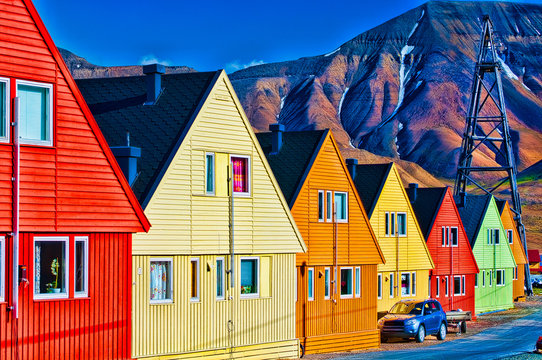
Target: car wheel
(420, 336)
(441, 335)
(463, 327)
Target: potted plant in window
(53, 287)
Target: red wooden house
(67, 213)
(452, 280)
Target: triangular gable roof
(521, 257)
(369, 181)
(426, 206)
(292, 164)
(472, 214)
(88, 115)
(159, 129)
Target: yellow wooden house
(215, 276)
(405, 275)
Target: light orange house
(336, 277)
(512, 235)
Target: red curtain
(240, 174)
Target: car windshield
(407, 308)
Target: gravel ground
(531, 305)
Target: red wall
(97, 327)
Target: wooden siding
(184, 327)
(387, 301)
(453, 302)
(70, 186)
(76, 328)
(185, 220)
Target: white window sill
(249, 296)
(161, 302)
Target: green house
(482, 222)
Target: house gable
(509, 223)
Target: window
(392, 224)
(329, 206)
(401, 224)
(2, 267)
(250, 269)
(241, 175)
(490, 277)
(462, 284)
(51, 267)
(194, 279)
(380, 286)
(221, 279)
(358, 282)
(476, 280)
(35, 112)
(81, 266)
(414, 284)
(341, 206)
(483, 278)
(493, 237)
(447, 284)
(346, 283)
(447, 236)
(515, 273)
(161, 271)
(500, 278)
(387, 221)
(310, 284)
(444, 236)
(4, 109)
(210, 173)
(320, 205)
(496, 236)
(326, 283)
(391, 285)
(405, 284)
(457, 285)
(437, 287)
(510, 236)
(453, 236)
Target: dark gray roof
(472, 214)
(293, 162)
(426, 206)
(117, 106)
(369, 181)
(500, 205)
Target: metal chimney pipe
(276, 142)
(351, 165)
(154, 74)
(413, 187)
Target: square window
(358, 282)
(241, 174)
(81, 266)
(220, 279)
(329, 206)
(326, 283)
(346, 283)
(510, 235)
(194, 279)
(4, 109)
(320, 205)
(249, 277)
(341, 206)
(35, 112)
(405, 284)
(310, 284)
(210, 173)
(454, 236)
(379, 286)
(457, 285)
(401, 224)
(161, 272)
(50, 267)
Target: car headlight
(411, 322)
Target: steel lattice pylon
(487, 127)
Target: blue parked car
(414, 319)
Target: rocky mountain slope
(401, 89)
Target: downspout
(452, 267)
(232, 259)
(336, 262)
(15, 210)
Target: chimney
(413, 192)
(154, 81)
(351, 165)
(276, 142)
(127, 158)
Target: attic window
(510, 235)
(4, 109)
(35, 112)
(453, 236)
(241, 174)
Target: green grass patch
(537, 291)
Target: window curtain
(37, 273)
(239, 175)
(159, 281)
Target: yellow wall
(422, 288)
(402, 253)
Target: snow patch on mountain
(333, 52)
(341, 102)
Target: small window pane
(81, 258)
(326, 283)
(391, 285)
(346, 282)
(497, 237)
(194, 279)
(405, 284)
(358, 281)
(401, 224)
(447, 289)
(310, 284)
(160, 280)
(320, 205)
(210, 173)
(329, 206)
(476, 280)
(341, 206)
(220, 278)
(392, 226)
(34, 112)
(380, 286)
(453, 235)
(249, 276)
(444, 236)
(500, 277)
(457, 285)
(240, 174)
(50, 267)
(387, 221)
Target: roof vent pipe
(276, 141)
(154, 74)
(127, 159)
(351, 165)
(413, 189)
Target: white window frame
(413, 282)
(2, 268)
(357, 281)
(347, 296)
(409, 284)
(257, 293)
(392, 286)
(170, 282)
(497, 239)
(7, 99)
(510, 236)
(49, 296)
(489, 236)
(448, 236)
(483, 278)
(198, 273)
(310, 284)
(321, 205)
(503, 273)
(51, 111)
(456, 236)
(447, 289)
(329, 206)
(327, 283)
(83, 239)
(443, 235)
(437, 289)
(515, 273)
(249, 176)
(210, 193)
(393, 224)
(476, 280)
(345, 220)
(457, 277)
(397, 223)
(223, 260)
(463, 284)
(490, 278)
(387, 222)
(379, 286)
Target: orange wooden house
(336, 277)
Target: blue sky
(208, 35)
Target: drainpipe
(232, 259)
(15, 209)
